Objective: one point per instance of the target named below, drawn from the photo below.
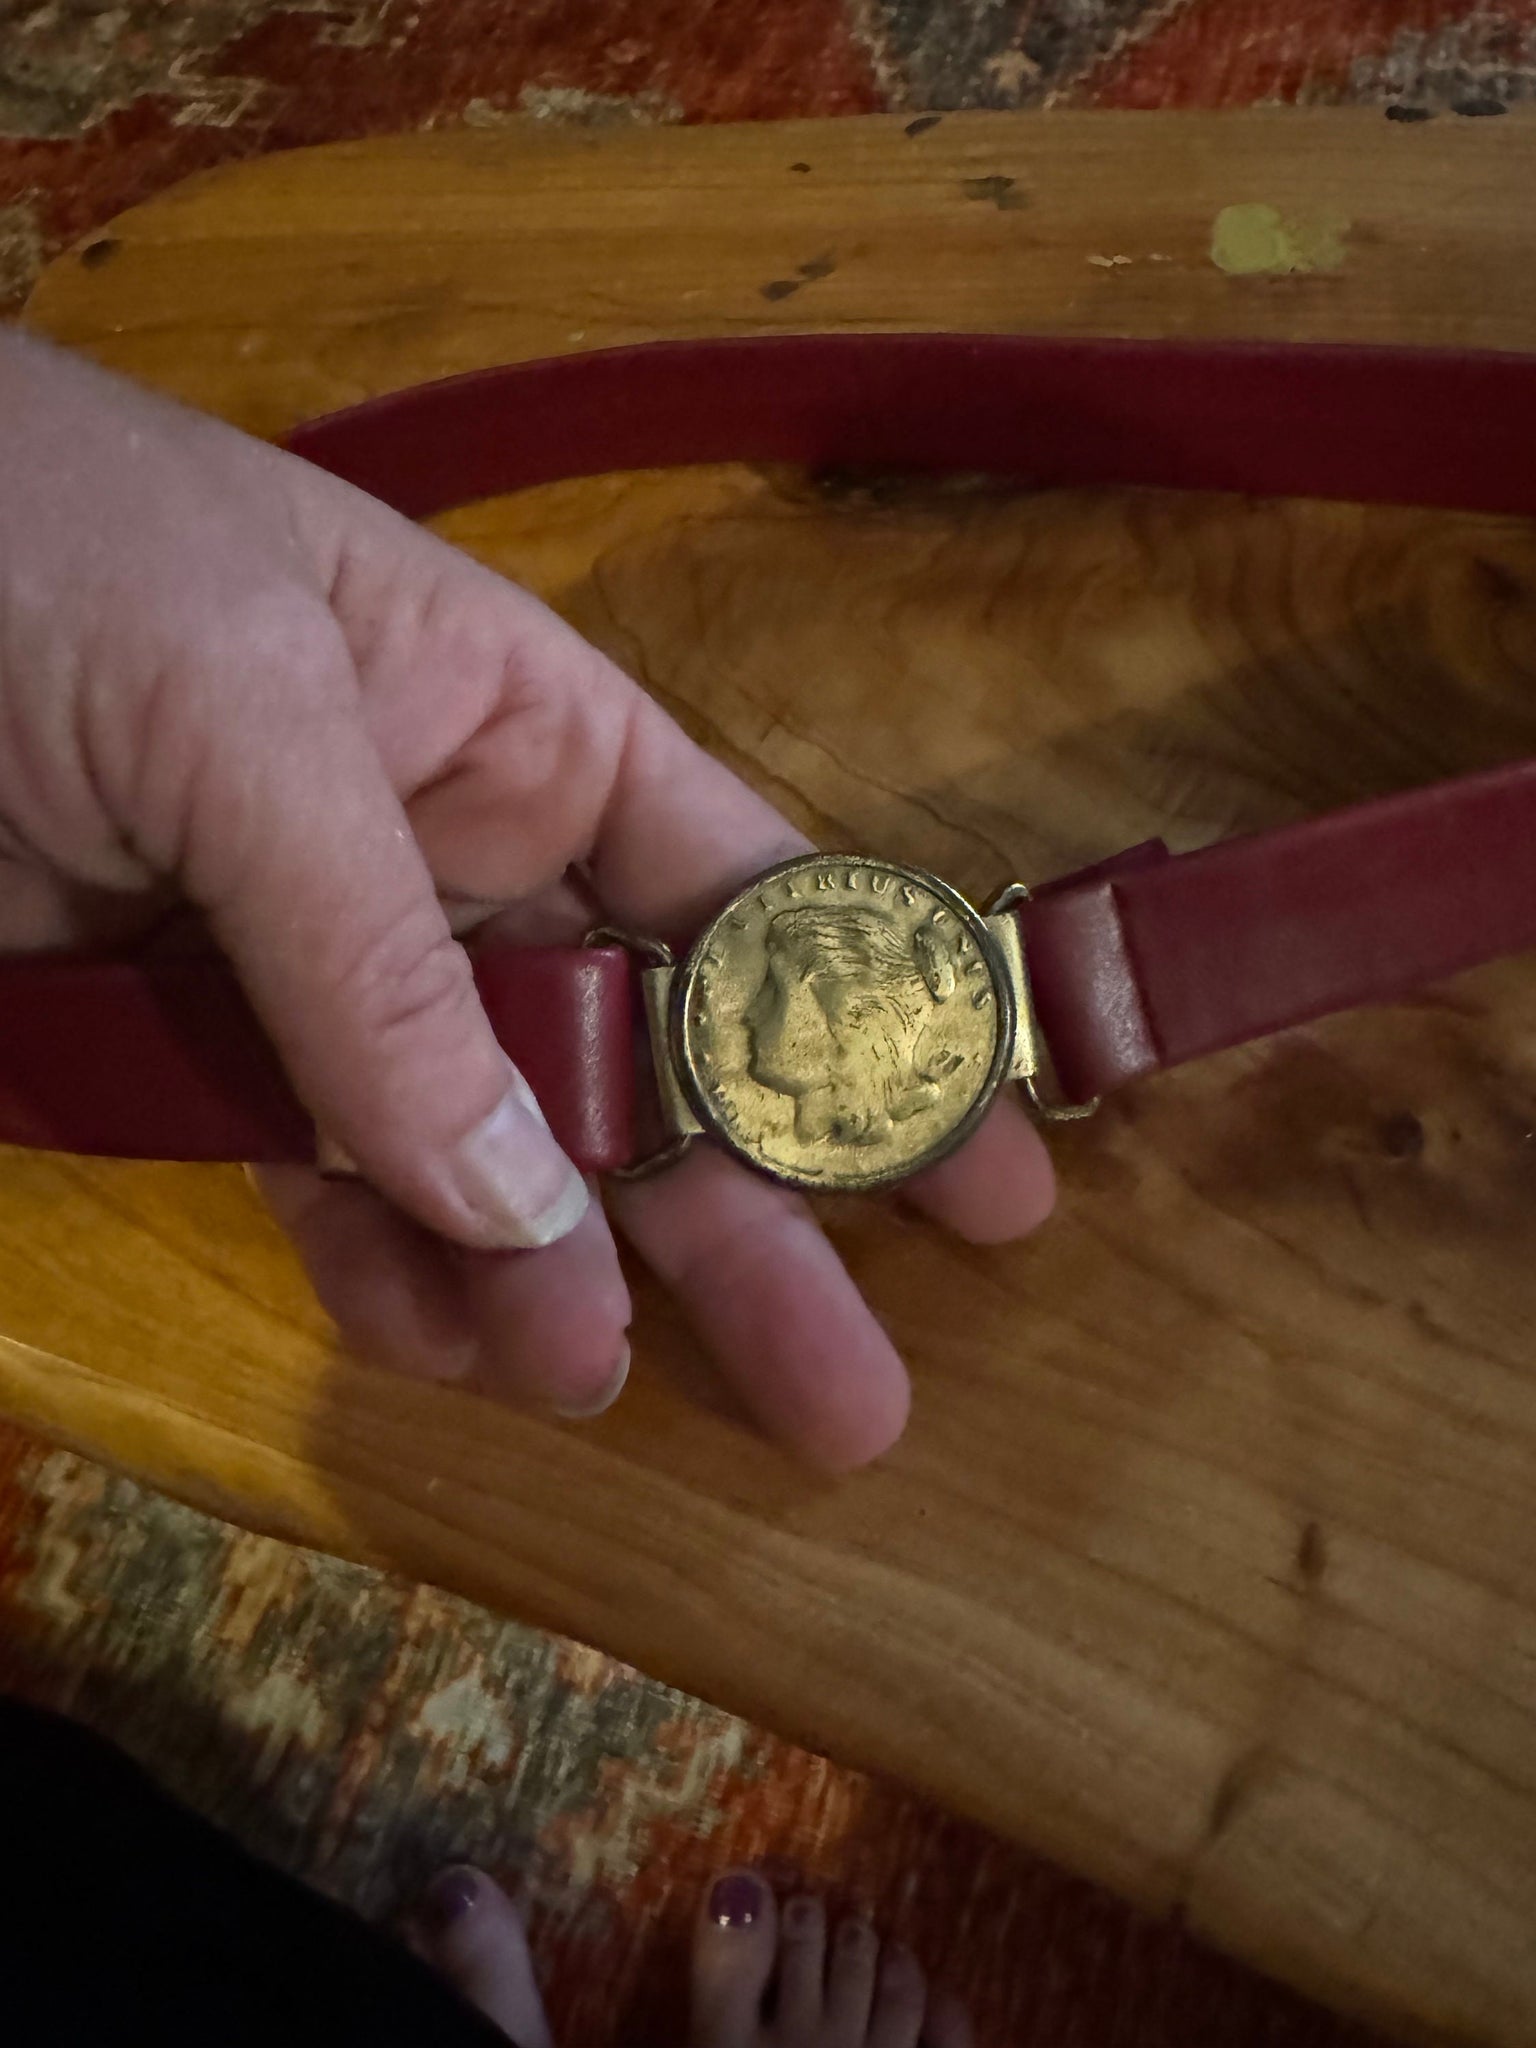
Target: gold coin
(843, 1022)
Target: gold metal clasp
(1031, 1056)
(678, 1120)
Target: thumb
(302, 857)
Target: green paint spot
(1260, 241)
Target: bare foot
(763, 1977)
(472, 1934)
(772, 1977)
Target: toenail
(451, 1897)
(736, 1901)
(593, 1405)
(856, 1934)
(899, 1960)
(801, 1916)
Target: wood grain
(1209, 1564)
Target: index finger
(680, 832)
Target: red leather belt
(844, 1020)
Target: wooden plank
(358, 267)
(1209, 1564)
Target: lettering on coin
(853, 1030)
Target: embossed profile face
(843, 1022)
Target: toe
(901, 1996)
(469, 1930)
(947, 2024)
(851, 1983)
(802, 1971)
(735, 1942)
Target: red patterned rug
(359, 1731)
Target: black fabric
(126, 1919)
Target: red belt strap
(141, 1059)
(1136, 964)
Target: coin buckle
(842, 1023)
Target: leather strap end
(1086, 992)
(569, 1018)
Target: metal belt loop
(1049, 1112)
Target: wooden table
(1209, 1563)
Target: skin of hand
(233, 685)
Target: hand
(231, 681)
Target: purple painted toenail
(736, 1901)
(451, 1897)
(801, 1916)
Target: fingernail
(528, 1099)
(515, 1178)
(450, 1897)
(736, 1901)
(605, 1400)
(450, 1365)
(331, 1163)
